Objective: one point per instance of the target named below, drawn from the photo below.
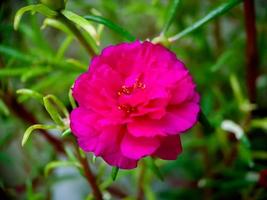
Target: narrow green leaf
(29, 189)
(3, 108)
(37, 71)
(67, 132)
(259, 123)
(34, 8)
(85, 25)
(93, 159)
(32, 128)
(208, 128)
(237, 90)
(114, 173)
(7, 72)
(76, 63)
(70, 154)
(101, 20)
(152, 165)
(83, 155)
(225, 7)
(171, 15)
(262, 155)
(14, 53)
(71, 99)
(50, 101)
(57, 25)
(30, 93)
(80, 21)
(63, 47)
(56, 164)
(223, 60)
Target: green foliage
(29, 131)
(60, 163)
(41, 59)
(210, 16)
(114, 173)
(33, 8)
(101, 20)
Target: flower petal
(138, 147)
(117, 159)
(82, 122)
(170, 147)
(180, 119)
(144, 128)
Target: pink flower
(134, 101)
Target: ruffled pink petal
(82, 122)
(102, 141)
(117, 159)
(108, 148)
(180, 119)
(170, 147)
(145, 128)
(138, 147)
(184, 90)
(94, 92)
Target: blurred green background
(215, 164)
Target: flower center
(127, 108)
(124, 90)
(128, 90)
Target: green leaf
(67, 132)
(34, 8)
(223, 60)
(7, 72)
(85, 25)
(29, 130)
(114, 173)
(50, 101)
(208, 128)
(56, 164)
(63, 47)
(14, 53)
(30, 93)
(57, 25)
(259, 123)
(3, 108)
(171, 15)
(37, 71)
(225, 7)
(76, 63)
(70, 154)
(71, 99)
(237, 90)
(80, 21)
(152, 165)
(101, 20)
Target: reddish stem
(89, 175)
(251, 49)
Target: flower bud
(54, 4)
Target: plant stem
(78, 35)
(89, 175)
(140, 192)
(251, 49)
